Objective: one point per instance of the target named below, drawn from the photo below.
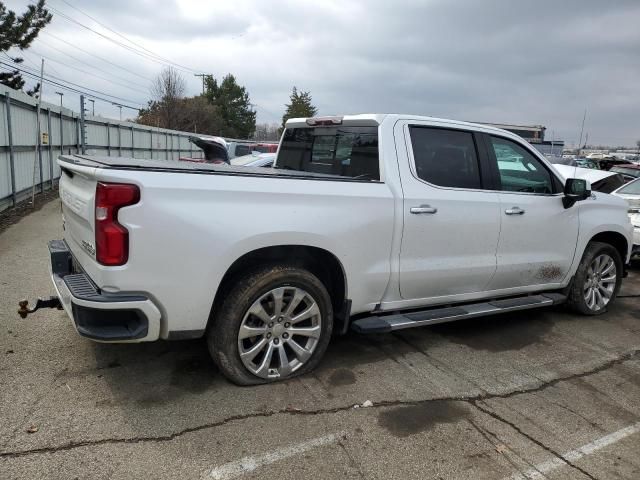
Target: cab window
(444, 157)
(519, 171)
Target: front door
(451, 224)
(538, 235)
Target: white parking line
(249, 464)
(539, 470)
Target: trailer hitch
(51, 302)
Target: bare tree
(167, 90)
(266, 131)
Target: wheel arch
(615, 239)
(320, 262)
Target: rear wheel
(597, 279)
(274, 324)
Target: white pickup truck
(367, 222)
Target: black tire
(223, 332)
(576, 299)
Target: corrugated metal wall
(20, 162)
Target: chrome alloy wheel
(600, 282)
(279, 332)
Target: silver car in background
(254, 160)
(631, 193)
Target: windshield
(631, 188)
(344, 151)
(632, 172)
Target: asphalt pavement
(536, 394)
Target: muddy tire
(275, 323)
(597, 280)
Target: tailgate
(77, 193)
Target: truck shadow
(150, 386)
(162, 373)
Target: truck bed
(175, 166)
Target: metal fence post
(39, 147)
(151, 143)
(166, 144)
(119, 142)
(61, 133)
(108, 139)
(83, 126)
(133, 148)
(50, 148)
(7, 101)
(77, 135)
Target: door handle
(423, 209)
(514, 211)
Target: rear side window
(445, 157)
(344, 151)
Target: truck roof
(378, 118)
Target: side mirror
(575, 190)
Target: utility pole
(93, 107)
(581, 131)
(203, 75)
(38, 156)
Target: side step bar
(400, 321)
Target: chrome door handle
(423, 209)
(514, 211)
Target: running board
(399, 321)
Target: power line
(79, 60)
(96, 56)
(120, 44)
(92, 74)
(85, 91)
(125, 38)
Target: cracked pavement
(484, 398)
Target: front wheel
(275, 323)
(597, 280)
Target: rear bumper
(100, 316)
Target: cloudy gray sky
(527, 62)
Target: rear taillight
(112, 239)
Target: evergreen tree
(19, 32)
(233, 106)
(300, 106)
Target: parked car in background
(219, 150)
(601, 181)
(608, 163)
(215, 150)
(373, 223)
(631, 193)
(574, 162)
(255, 160)
(630, 171)
(265, 147)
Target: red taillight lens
(112, 239)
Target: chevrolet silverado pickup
(372, 223)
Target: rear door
(451, 219)
(538, 235)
